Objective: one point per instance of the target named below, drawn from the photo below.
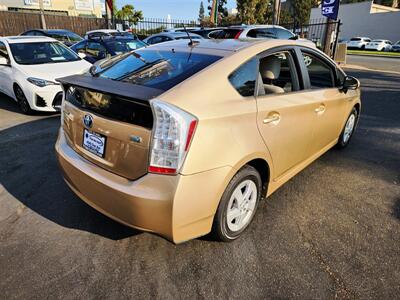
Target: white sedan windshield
(41, 53)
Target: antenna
(191, 43)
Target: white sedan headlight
(41, 82)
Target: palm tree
(128, 13)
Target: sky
(178, 9)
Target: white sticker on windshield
(57, 58)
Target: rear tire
(238, 205)
(22, 101)
(348, 130)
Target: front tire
(348, 130)
(22, 101)
(238, 205)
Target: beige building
(59, 7)
(366, 19)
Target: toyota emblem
(88, 121)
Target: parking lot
(332, 231)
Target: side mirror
(81, 55)
(294, 38)
(4, 61)
(350, 83)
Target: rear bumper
(178, 208)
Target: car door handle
(271, 119)
(320, 109)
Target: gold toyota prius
(183, 139)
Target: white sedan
(379, 45)
(29, 67)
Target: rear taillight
(173, 131)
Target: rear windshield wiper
(147, 66)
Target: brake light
(173, 132)
(238, 34)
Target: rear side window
(262, 33)
(228, 34)
(158, 69)
(320, 73)
(244, 78)
(355, 39)
(283, 34)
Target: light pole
(42, 19)
(277, 10)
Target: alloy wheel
(349, 128)
(241, 205)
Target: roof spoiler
(108, 86)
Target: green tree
(301, 10)
(201, 12)
(247, 11)
(128, 13)
(261, 11)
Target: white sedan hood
(52, 71)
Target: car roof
(223, 47)
(107, 38)
(102, 30)
(255, 26)
(175, 34)
(49, 30)
(28, 39)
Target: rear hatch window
(158, 69)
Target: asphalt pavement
(331, 231)
(375, 63)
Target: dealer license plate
(94, 142)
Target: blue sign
(330, 9)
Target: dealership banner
(330, 9)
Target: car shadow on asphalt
(9, 104)
(30, 173)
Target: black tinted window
(3, 50)
(80, 47)
(95, 49)
(283, 34)
(244, 78)
(73, 37)
(262, 33)
(158, 69)
(125, 45)
(228, 34)
(320, 73)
